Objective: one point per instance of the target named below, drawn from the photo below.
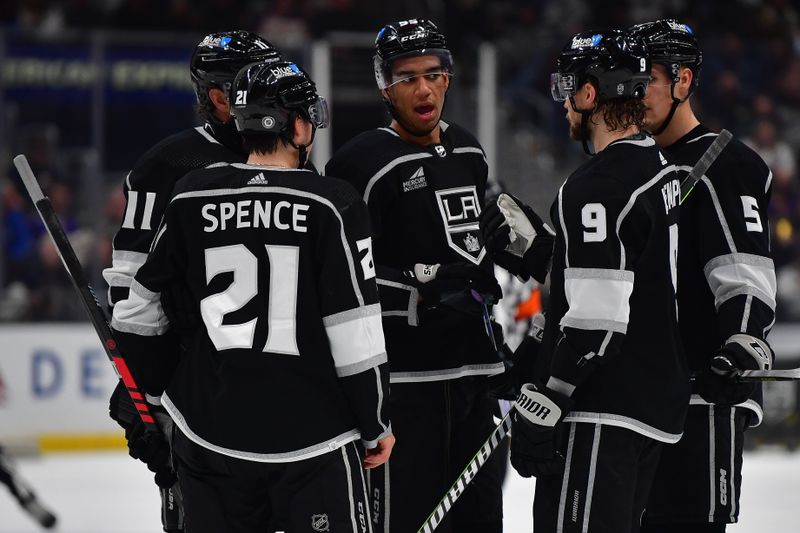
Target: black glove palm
(537, 430)
(436, 281)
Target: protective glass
(319, 114)
(562, 86)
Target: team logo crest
(460, 210)
(319, 522)
(440, 150)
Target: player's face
(658, 98)
(583, 100)
(418, 95)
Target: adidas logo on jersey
(258, 179)
(416, 181)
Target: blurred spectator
(776, 154)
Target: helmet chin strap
(674, 107)
(584, 125)
(303, 148)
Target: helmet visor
(386, 76)
(562, 86)
(319, 114)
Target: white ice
(111, 493)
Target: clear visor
(386, 78)
(434, 77)
(318, 112)
(562, 86)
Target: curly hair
(622, 113)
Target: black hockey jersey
(726, 277)
(612, 332)
(424, 204)
(291, 361)
(148, 188)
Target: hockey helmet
(408, 38)
(219, 56)
(266, 96)
(614, 60)
(673, 45)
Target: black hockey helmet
(615, 61)
(672, 44)
(266, 96)
(408, 38)
(219, 56)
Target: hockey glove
(516, 238)
(719, 383)
(536, 431)
(437, 282)
(150, 447)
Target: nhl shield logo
(319, 522)
(460, 210)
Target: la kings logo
(460, 210)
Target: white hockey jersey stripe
(141, 313)
(124, 265)
(598, 298)
(739, 273)
(356, 339)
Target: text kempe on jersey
(726, 276)
(611, 328)
(424, 204)
(279, 264)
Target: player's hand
(437, 280)
(719, 384)
(379, 454)
(536, 431)
(148, 446)
(516, 237)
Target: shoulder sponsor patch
(416, 181)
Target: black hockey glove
(516, 238)
(536, 433)
(719, 383)
(150, 447)
(439, 283)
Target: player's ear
(589, 96)
(302, 131)
(685, 79)
(220, 100)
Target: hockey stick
(23, 494)
(467, 475)
(704, 163)
(81, 284)
(788, 374)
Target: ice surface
(111, 493)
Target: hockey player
(424, 180)
(726, 294)
(278, 263)
(612, 383)
(148, 186)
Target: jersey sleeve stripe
(739, 273)
(356, 337)
(720, 214)
(389, 166)
(289, 192)
(631, 201)
(413, 297)
(124, 265)
(598, 298)
(768, 183)
(563, 224)
(141, 313)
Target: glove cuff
(541, 406)
(425, 273)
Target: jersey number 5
(281, 313)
